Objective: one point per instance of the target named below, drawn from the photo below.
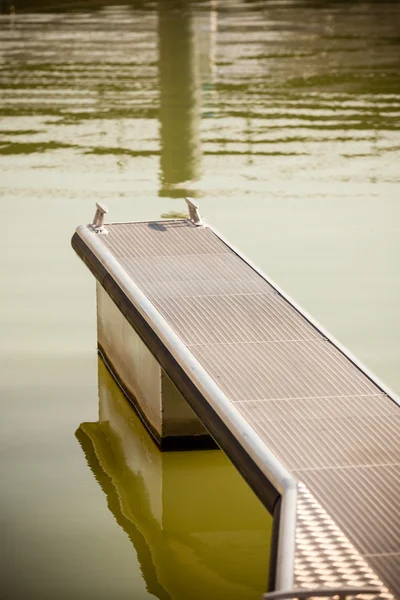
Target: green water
(282, 118)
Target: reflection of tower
(179, 96)
(206, 25)
(185, 56)
(198, 530)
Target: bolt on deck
(311, 430)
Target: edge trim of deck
(153, 328)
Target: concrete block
(161, 406)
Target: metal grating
(324, 555)
(323, 407)
(234, 319)
(333, 442)
(389, 566)
(364, 501)
(320, 414)
(283, 370)
(160, 238)
(185, 268)
(191, 288)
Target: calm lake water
(282, 117)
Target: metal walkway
(314, 434)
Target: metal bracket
(98, 220)
(194, 214)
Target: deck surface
(334, 429)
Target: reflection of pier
(186, 64)
(198, 530)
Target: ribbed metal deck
(327, 421)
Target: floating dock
(218, 349)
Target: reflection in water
(179, 97)
(186, 65)
(300, 81)
(198, 530)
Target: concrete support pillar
(162, 408)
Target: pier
(210, 350)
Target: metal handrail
(340, 592)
